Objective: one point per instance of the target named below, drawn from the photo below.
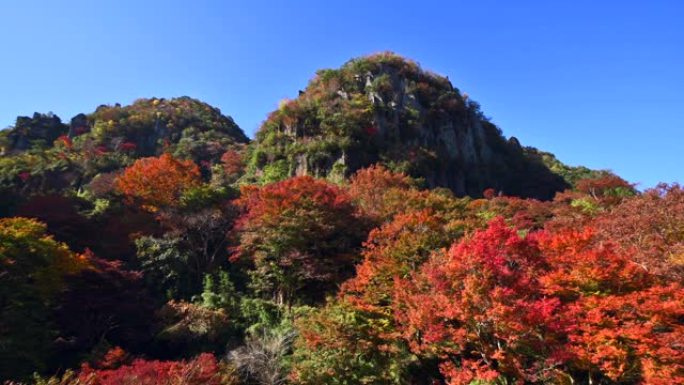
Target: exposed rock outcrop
(386, 109)
(153, 125)
(110, 139)
(39, 130)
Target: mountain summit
(385, 108)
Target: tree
(633, 338)
(233, 164)
(202, 232)
(546, 307)
(392, 251)
(158, 182)
(382, 194)
(340, 344)
(369, 187)
(608, 189)
(194, 242)
(651, 227)
(300, 233)
(580, 266)
(165, 266)
(33, 267)
(103, 304)
(526, 214)
(629, 326)
(62, 218)
(355, 339)
(478, 308)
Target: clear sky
(598, 83)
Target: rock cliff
(384, 108)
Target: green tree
(301, 237)
(32, 270)
(340, 344)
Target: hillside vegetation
(379, 229)
(386, 109)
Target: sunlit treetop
(158, 182)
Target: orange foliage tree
(651, 226)
(394, 250)
(158, 182)
(233, 164)
(629, 326)
(382, 194)
(545, 307)
(609, 189)
(478, 308)
(370, 187)
(356, 337)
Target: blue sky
(598, 83)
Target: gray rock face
(385, 109)
(78, 125)
(456, 140)
(40, 129)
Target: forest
(379, 229)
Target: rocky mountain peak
(386, 109)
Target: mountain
(42, 155)
(38, 130)
(385, 108)
(147, 126)
(145, 244)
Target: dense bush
(202, 370)
(33, 270)
(300, 236)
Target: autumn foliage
(393, 251)
(153, 244)
(33, 270)
(119, 307)
(201, 370)
(542, 307)
(651, 228)
(158, 182)
(232, 162)
(298, 232)
(381, 282)
(370, 188)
